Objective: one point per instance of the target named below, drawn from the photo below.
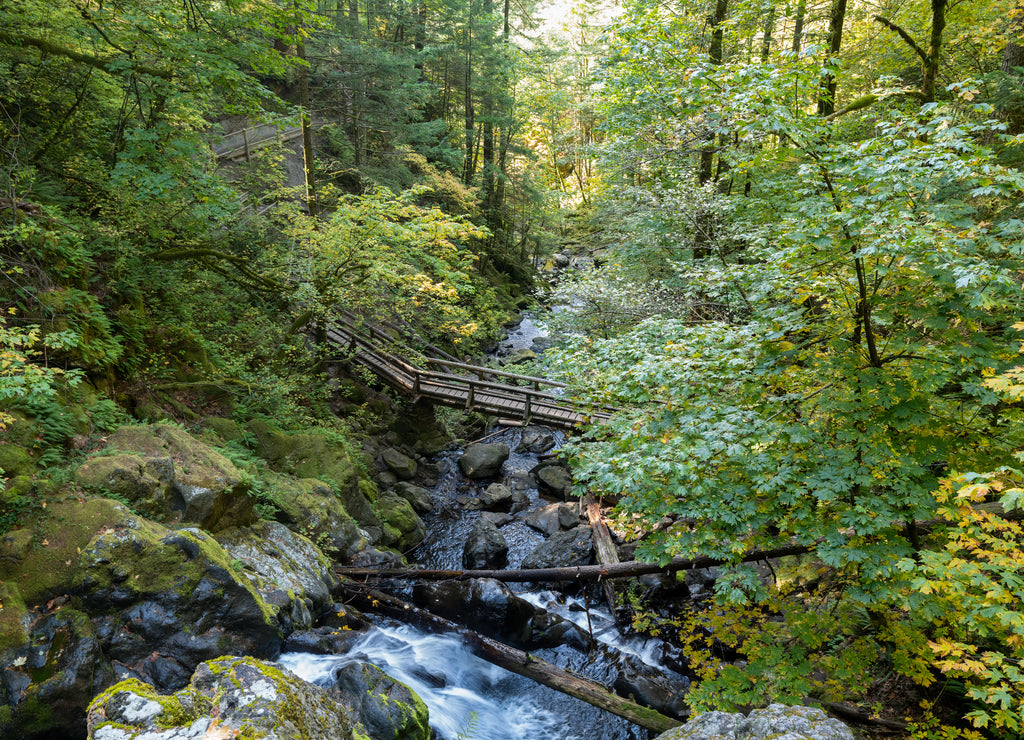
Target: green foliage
(23, 378)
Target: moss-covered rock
(227, 697)
(403, 466)
(404, 527)
(226, 429)
(13, 620)
(312, 508)
(15, 460)
(288, 570)
(381, 707)
(172, 599)
(170, 476)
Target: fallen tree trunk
(518, 661)
(628, 569)
(606, 552)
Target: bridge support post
(528, 409)
(471, 397)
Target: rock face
(485, 548)
(170, 476)
(288, 571)
(776, 722)
(380, 707)
(571, 547)
(226, 697)
(483, 460)
(171, 600)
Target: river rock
(775, 722)
(170, 600)
(226, 697)
(289, 571)
(520, 480)
(403, 529)
(170, 476)
(497, 518)
(485, 548)
(417, 496)
(552, 518)
(379, 706)
(536, 440)
(496, 497)
(482, 604)
(522, 356)
(483, 460)
(312, 508)
(654, 689)
(553, 479)
(563, 549)
(401, 465)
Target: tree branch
(106, 64)
(906, 37)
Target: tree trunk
(769, 31)
(798, 26)
(521, 663)
(930, 64)
(827, 96)
(702, 238)
(606, 552)
(308, 164)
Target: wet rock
(312, 508)
(536, 440)
(417, 496)
(520, 502)
(550, 519)
(701, 581)
(373, 557)
(485, 547)
(496, 497)
(171, 600)
(521, 357)
(513, 321)
(775, 721)
(482, 604)
(483, 460)
(553, 479)
(661, 692)
(402, 466)
(551, 630)
(403, 528)
(469, 503)
(568, 548)
(520, 480)
(497, 518)
(171, 476)
(50, 680)
(561, 260)
(379, 706)
(289, 571)
(226, 696)
(322, 641)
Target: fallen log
(517, 661)
(606, 552)
(628, 569)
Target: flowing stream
(468, 697)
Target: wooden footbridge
(458, 384)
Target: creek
(466, 696)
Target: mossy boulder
(483, 460)
(403, 466)
(325, 456)
(51, 679)
(226, 429)
(403, 528)
(312, 508)
(13, 620)
(40, 556)
(289, 571)
(227, 697)
(15, 460)
(774, 721)
(171, 599)
(417, 496)
(381, 707)
(171, 476)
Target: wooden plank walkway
(479, 391)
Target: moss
(13, 615)
(59, 532)
(226, 429)
(15, 460)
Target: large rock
(483, 460)
(381, 707)
(553, 480)
(403, 529)
(536, 440)
(485, 548)
(289, 571)
(227, 697)
(417, 496)
(563, 549)
(497, 497)
(403, 466)
(552, 518)
(659, 691)
(776, 722)
(312, 508)
(482, 604)
(171, 600)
